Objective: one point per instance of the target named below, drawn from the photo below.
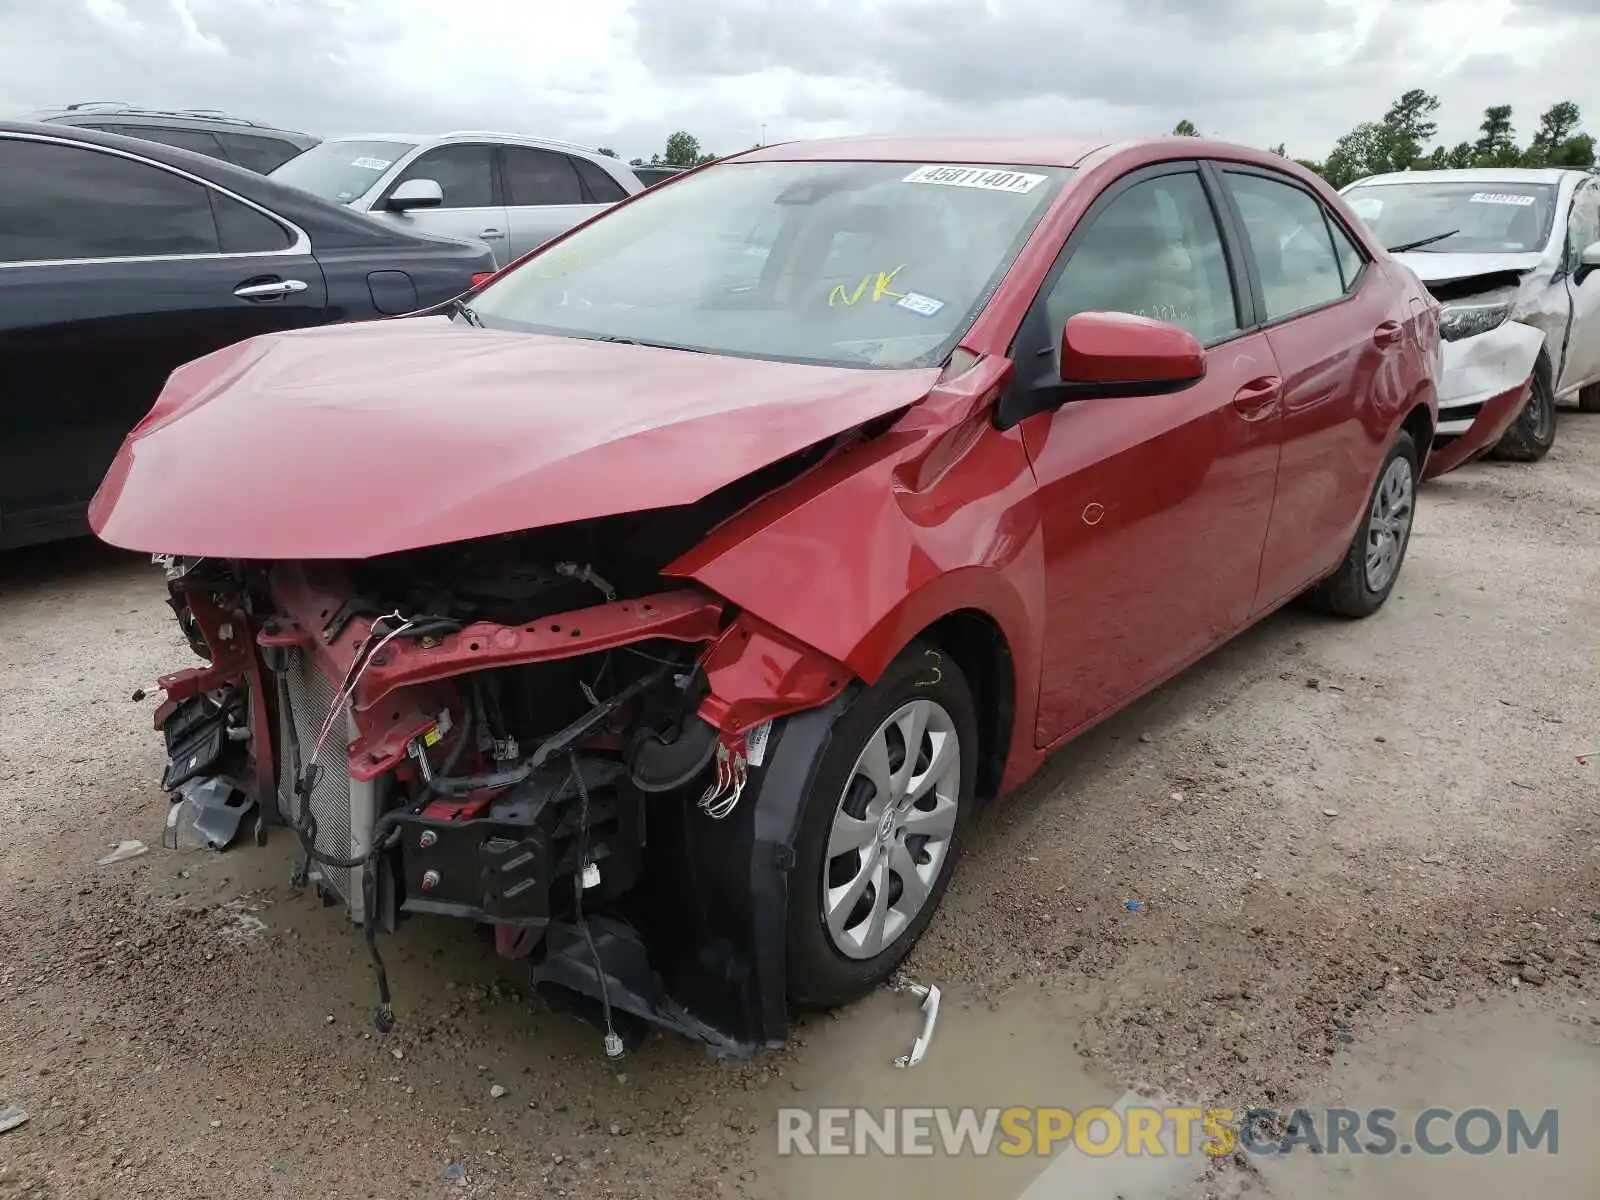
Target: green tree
(1498, 145)
(608, 152)
(1358, 153)
(683, 150)
(1577, 151)
(1313, 166)
(1557, 143)
(1281, 150)
(1392, 144)
(1185, 128)
(1457, 156)
(1406, 128)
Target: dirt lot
(1366, 850)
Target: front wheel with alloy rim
(1371, 566)
(881, 828)
(1534, 431)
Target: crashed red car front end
(441, 687)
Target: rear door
(1582, 365)
(113, 271)
(1154, 509)
(472, 210)
(548, 192)
(1327, 315)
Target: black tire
(819, 974)
(1589, 398)
(1534, 431)
(1348, 591)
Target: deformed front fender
(858, 556)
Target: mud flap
(711, 964)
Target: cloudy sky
(625, 73)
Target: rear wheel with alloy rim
(1371, 566)
(881, 828)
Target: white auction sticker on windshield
(985, 178)
(923, 306)
(373, 164)
(1501, 198)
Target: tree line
(682, 150)
(1399, 142)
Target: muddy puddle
(1505, 1056)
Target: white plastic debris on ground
(123, 852)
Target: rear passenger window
(1289, 238)
(244, 230)
(1155, 251)
(539, 177)
(602, 189)
(197, 140)
(255, 152)
(64, 202)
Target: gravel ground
(1337, 829)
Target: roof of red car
(1033, 150)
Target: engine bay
(520, 732)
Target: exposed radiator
(345, 810)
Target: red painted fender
(878, 542)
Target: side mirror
(1588, 262)
(415, 193)
(1106, 354)
(1119, 354)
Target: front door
(472, 210)
(113, 271)
(1582, 365)
(1154, 509)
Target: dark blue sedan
(121, 259)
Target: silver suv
(248, 144)
(511, 193)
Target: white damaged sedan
(1513, 255)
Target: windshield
(1480, 218)
(841, 263)
(340, 171)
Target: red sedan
(670, 603)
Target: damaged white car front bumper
(1481, 367)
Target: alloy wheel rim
(891, 830)
(1389, 524)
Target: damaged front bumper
(619, 887)
(1487, 380)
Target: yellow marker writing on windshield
(880, 288)
(559, 265)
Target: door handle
(490, 235)
(1388, 334)
(1258, 397)
(275, 289)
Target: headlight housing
(1468, 318)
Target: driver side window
(1154, 251)
(463, 173)
(1583, 227)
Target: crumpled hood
(358, 440)
(1445, 268)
